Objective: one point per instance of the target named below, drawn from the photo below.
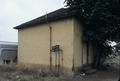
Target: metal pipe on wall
(50, 30)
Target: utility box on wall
(8, 52)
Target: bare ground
(12, 74)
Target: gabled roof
(53, 16)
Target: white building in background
(8, 52)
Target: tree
(101, 21)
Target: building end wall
(34, 43)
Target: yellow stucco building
(55, 39)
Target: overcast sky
(15, 12)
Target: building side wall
(80, 46)
(77, 44)
(90, 53)
(84, 53)
(34, 43)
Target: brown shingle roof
(53, 16)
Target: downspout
(50, 41)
